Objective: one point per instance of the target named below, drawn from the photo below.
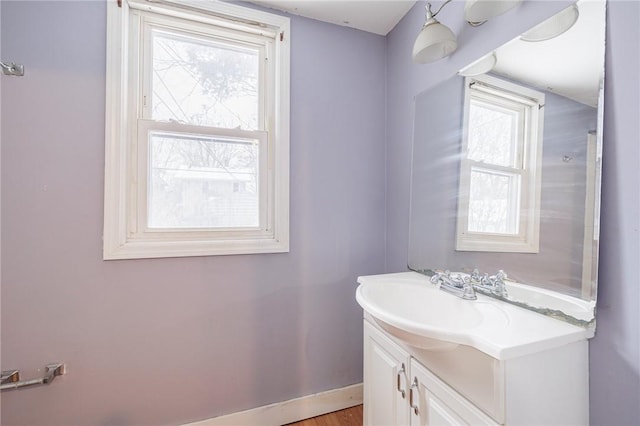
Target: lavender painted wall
(615, 351)
(199, 337)
(170, 341)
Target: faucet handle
(475, 275)
(499, 287)
(485, 279)
(469, 292)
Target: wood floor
(349, 417)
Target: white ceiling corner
(378, 17)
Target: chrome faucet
(465, 286)
(458, 285)
(493, 284)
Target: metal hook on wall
(11, 378)
(12, 69)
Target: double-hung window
(197, 150)
(500, 172)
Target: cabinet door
(385, 380)
(434, 403)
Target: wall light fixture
(553, 26)
(435, 40)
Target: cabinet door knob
(399, 379)
(414, 385)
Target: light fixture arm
(431, 14)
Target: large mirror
(507, 161)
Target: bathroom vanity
(431, 358)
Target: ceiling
(378, 17)
(546, 64)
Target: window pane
(201, 182)
(492, 134)
(203, 82)
(494, 202)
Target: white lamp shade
(434, 42)
(478, 11)
(481, 66)
(554, 26)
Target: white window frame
(126, 235)
(529, 168)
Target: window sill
(160, 249)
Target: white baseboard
(291, 411)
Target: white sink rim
(524, 331)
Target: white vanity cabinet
(398, 390)
(431, 358)
(405, 385)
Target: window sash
(147, 23)
(469, 166)
(142, 26)
(521, 112)
(513, 220)
(139, 211)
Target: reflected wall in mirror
(506, 164)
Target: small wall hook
(12, 68)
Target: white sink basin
(422, 315)
(409, 307)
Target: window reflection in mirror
(499, 196)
